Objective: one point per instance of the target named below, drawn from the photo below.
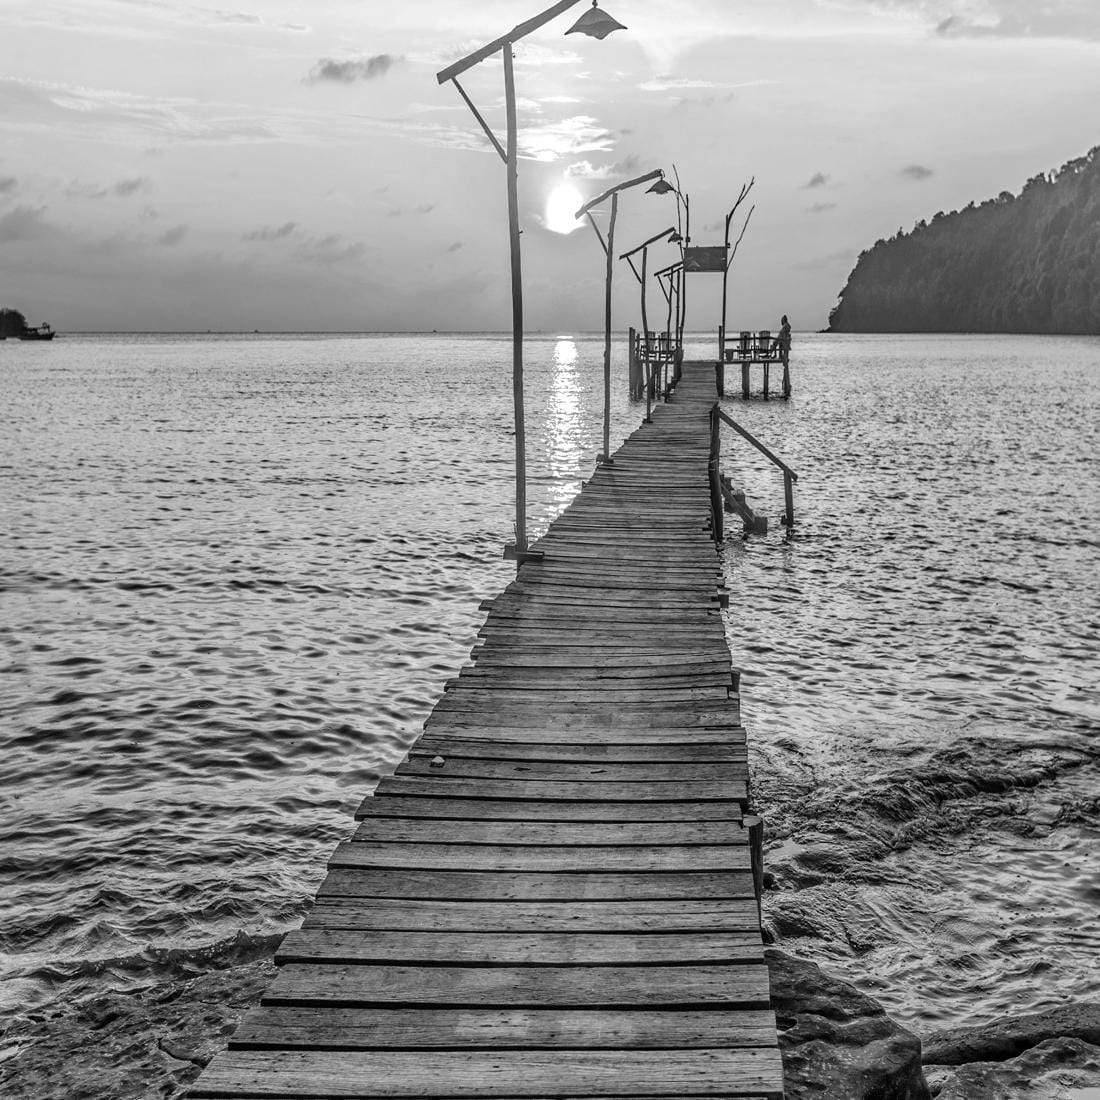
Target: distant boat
(43, 332)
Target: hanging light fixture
(661, 187)
(674, 238)
(596, 23)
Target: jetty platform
(556, 895)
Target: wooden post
(745, 378)
(716, 502)
(635, 364)
(517, 305)
(720, 378)
(645, 319)
(648, 392)
(605, 457)
(767, 367)
(755, 826)
(788, 493)
(786, 375)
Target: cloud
(131, 186)
(916, 172)
(171, 237)
(7, 184)
(454, 247)
(818, 179)
(330, 249)
(237, 17)
(821, 207)
(347, 72)
(586, 170)
(24, 223)
(271, 232)
(1077, 19)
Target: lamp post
(683, 238)
(612, 193)
(643, 248)
(596, 24)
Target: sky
(281, 165)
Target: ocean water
(235, 571)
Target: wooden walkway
(554, 895)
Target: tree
(12, 322)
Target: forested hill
(1016, 263)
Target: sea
(235, 571)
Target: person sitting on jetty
(782, 343)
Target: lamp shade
(661, 187)
(596, 23)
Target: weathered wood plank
(553, 771)
(621, 752)
(541, 858)
(319, 945)
(321, 1027)
(692, 986)
(726, 915)
(519, 886)
(502, 1075)
(560, 791)
(560, 833)
(535, 809)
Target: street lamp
(596, 24)
(609, 248)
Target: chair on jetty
(557, 893)
(750, 349)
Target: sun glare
(561, 205)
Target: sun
(561, 204)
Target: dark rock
(128, 1045)
(1054, 1068)
(1011, 1035)
(837, 1043)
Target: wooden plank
(541, 858)
(594, 771)
(343, 946)
(689, 986)
(550, 833)
(520, 886)
(323, 1027)
(503, 1075)
(443, 915)
(512, 789)
(621, 752)
(535, 809)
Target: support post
(745, 378)
(755, 826)
(716, 502)
(720, 378)
(645, 319)
(767, 367)
(635, 365)
(519, 548)
(605, 457)
(786, 375)
(648, 392)
(788, 493)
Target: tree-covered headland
(1017, 263)
(12, 322)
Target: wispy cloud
(271, 232)
(821, 207)
(8, 184)
(330, 249)
(132, 186)
(568, 137)
(586, 170)
(171, 237)
(818, 179)
(454, 247)
(348, 72)
(916, 172)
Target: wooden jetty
(556, 895)
(748, 350)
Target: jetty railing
(717, 418)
